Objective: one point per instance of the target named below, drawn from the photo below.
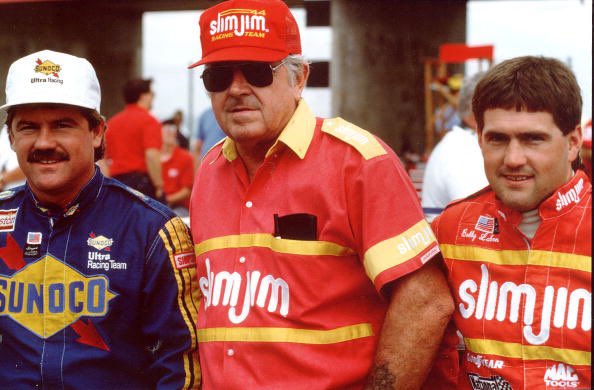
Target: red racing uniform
(293, 269)
(522, 305)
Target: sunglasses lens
(257, 74)
(217, 79)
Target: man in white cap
(315, 262)
(94, 277)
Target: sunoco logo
(99, 242)
(46, 304)
(47, 68)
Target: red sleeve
(387, 220)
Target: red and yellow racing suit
(523, 305)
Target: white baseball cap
(51, 77)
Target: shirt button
(249, 204)
(230, 352)
(242, 259)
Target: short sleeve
(393, 236)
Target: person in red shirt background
(133, 141)
(177, 166)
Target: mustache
(248, 102)
(40, 155)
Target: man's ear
(10, 138)
(99, 133)
(301, 80)
(574, 142)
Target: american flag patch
(485, 224)
(33, 238)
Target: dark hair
(134, 88)
(93, 118)
(530, 84)
(181, 139)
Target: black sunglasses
(218, 78)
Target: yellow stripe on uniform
(187, 297)
(294, 247)
(518, 257)
(399, 249)
(528, 352)
(286, 335)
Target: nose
(515, 155)
(45, 139)
(239, 84)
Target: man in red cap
(316, 264)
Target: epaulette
(362, 140)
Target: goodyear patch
(360, 139)
(47, 295)
(8, 219)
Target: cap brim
(4, 108)
(244, 53)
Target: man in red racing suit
(518, 253)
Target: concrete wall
(376, 71)
(110, 39)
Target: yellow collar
(297, 134)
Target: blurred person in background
(133, 141)
(207, 134)
(11, 175)
(309, 227)
(178, 120)
(446, 114)
(177, 165)
(455, 167)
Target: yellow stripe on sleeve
(295, 247)
(518, 257)
(528, 352)
(286, 335)
(399, 249)
(176, 239)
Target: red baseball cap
(248, 30)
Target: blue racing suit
(99, 295)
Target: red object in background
(459, 52)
